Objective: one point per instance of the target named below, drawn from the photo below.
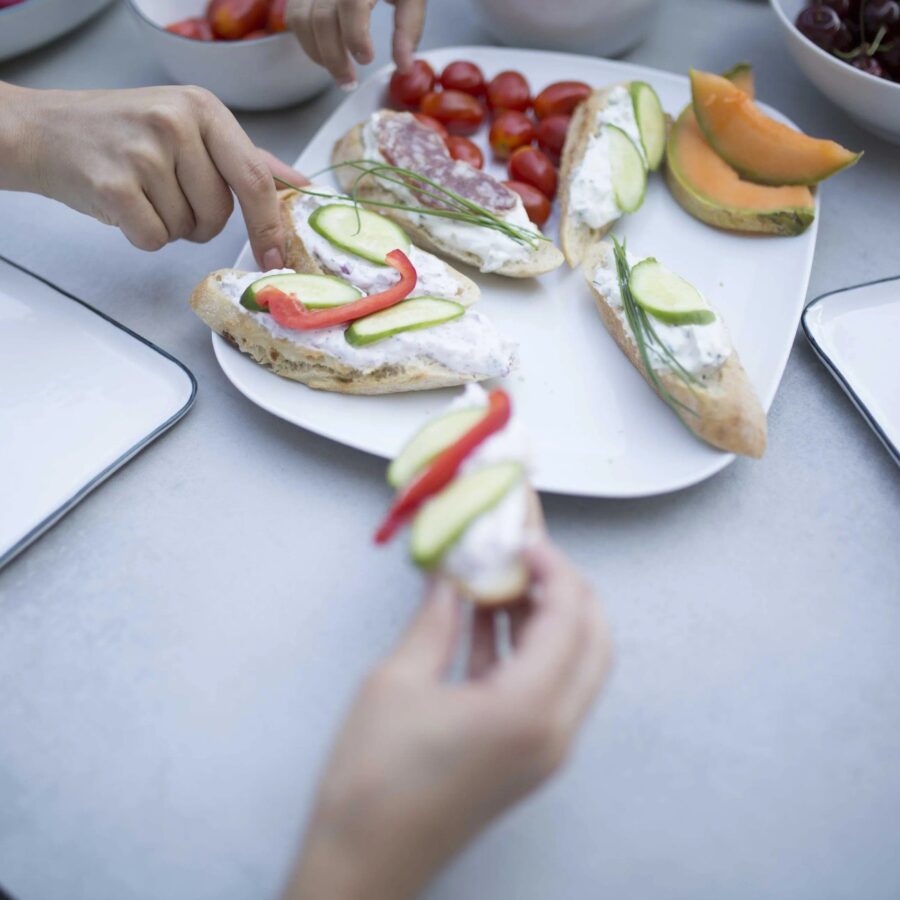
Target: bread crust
(544, 258)
(574, 236)
(314, 368)
(728, 412)
(298, 257)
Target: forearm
(19, 118)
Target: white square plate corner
(854, 332)
(596, 428)
(82, 395)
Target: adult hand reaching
(159, 163)
(333, 31)
(422, 764)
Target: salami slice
(407, 143)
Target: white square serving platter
(81, 396)
(596, 428)
(854, 332)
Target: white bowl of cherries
(850, 50)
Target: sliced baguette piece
(510, 585)
(575, 236)
(313, 367)
(728, 412)
(544, 258)
(302, 259)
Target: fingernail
(272, 259)
(349, 85)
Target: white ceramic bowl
(871, 101)
(36, 22)
(596, 27)
(267, 73)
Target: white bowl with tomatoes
(495, 117)
(238, 49)
(27, 24)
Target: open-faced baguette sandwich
(616, 136)
(370, 330)
(669, 332)
(446, 205)
(462, 482)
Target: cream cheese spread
(492, 248)
(496, 539)
(470, 345)
(700, 349)
(592, 198)
(433, 278)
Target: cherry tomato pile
(234, 20)
(526, 132)
(863, 33)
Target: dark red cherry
(842, 7)
(879, 14)
(868, 64)
(890, 60)
(821, 24)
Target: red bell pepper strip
(444, 467)
(289, 312)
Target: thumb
(427, 646)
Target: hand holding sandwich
(422, 764)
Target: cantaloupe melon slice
(711, 191)
(758, 147)
(741, 76)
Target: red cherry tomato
(536, 204)
(460, 113)
(532, 166)
(277, 20)
(464, 76)
(253, 35)
(196, 29)
(232, 19)
(508, 90)
(509, 131)
(551, 135)
(560, 98)
(462, 148)
(407, 89)
(431, 122)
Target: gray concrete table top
(176, 653)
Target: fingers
(550, 638)
(299, 19)
(427, 646)
(205, 190)
(245, 169)
(409, 20)
(333, 54)
(282, 170)
(483, 651)
(354, 17)
(139, 221)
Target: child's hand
(331, 31)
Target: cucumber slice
(420, 312)
(651, 122)
(441, 521)
(629, 176)
(314, 291)
(429, 441)
(359, 231)
(667, 296)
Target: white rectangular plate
(854, 332)
(81, 396)
(596, 428)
